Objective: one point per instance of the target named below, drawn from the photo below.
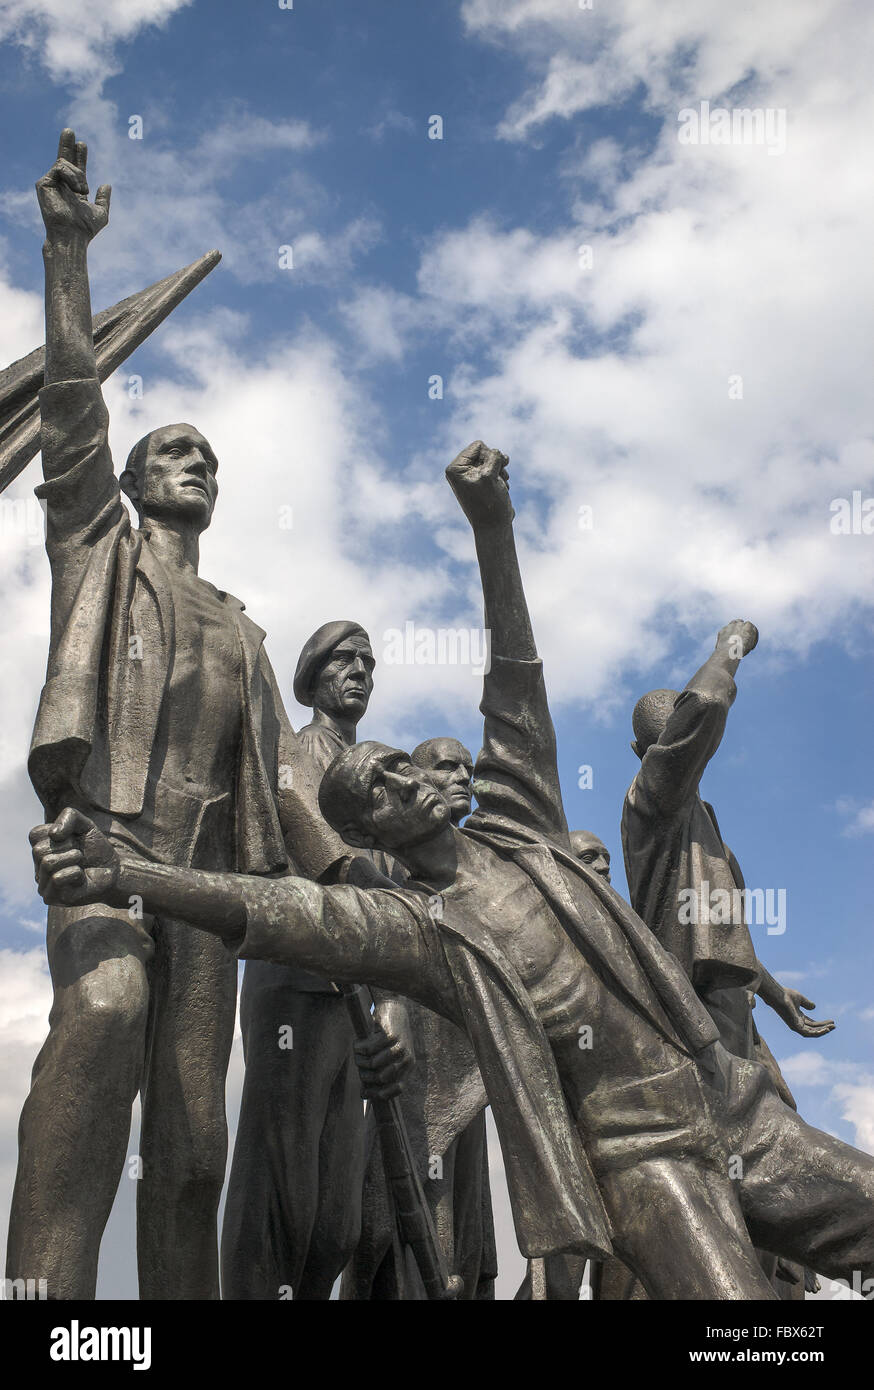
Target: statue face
(405, 806)
(179, 476)
(345, 681)
(589, 850)
(450, 767)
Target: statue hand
(63, 195)
(478, 477)
(789, 1009)
(742, 636)
(392, 1014)
(73, 861)
(382, 1060)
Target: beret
(316, 652)
(344, 792)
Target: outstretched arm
(71, 222)
(516, 773)
(75, 863)
(348, 934)
(733, 642)
(672, 768)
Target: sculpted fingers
(69, 173)
(382, 1061)
(56, 871)
(69, 823)
(814, 1029)
(67, 145)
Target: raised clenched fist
(739, 636)
(479, 479)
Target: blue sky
(608, 387)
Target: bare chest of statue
(596, 1034)
(199, 733)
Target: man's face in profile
(591, 851)
(345, 682)
(451, 768)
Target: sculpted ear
(354, 835)
(128, 484)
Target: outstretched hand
(63, 194)
(789, 1009)
(479, 478)
(73, 861)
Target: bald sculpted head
(451, 768)
(591, 851)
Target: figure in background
(293, 1210)
(559, 1278)
(444, 1108)
(683, 879)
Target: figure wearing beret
(293, 1211)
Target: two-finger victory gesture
(63, 195)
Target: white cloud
(25, 999)
(588, 58)
(383, 321)
(170, 204)
(862, 817)
(610, 386)
(77, 42)
(851, 1089)
(392, 121)
(857, 1108)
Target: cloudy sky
(670, 339)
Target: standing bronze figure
(160, 719)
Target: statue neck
(176, 545)
(345, 729)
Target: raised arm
(81, 492)
(71, 223)
(716, 677)
(516, 773)
(672, 768)
(479, 479)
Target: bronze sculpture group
(644, 1124)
